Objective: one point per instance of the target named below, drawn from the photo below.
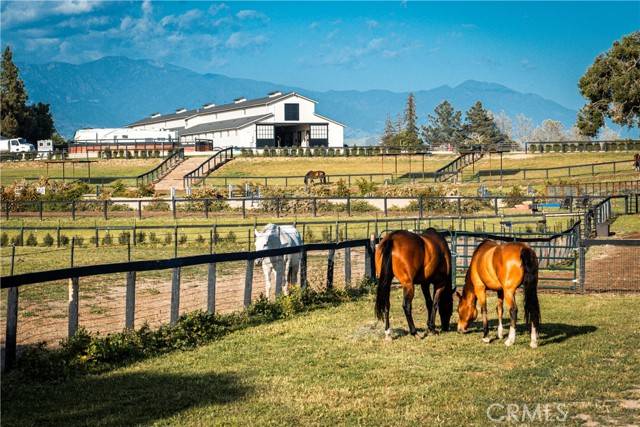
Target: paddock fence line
(209, 165)
(296, 205)
(581, 146)
(170, 162)
(453, 168)
(215, 271)
(598, 188)
(569, 171)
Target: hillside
(114, 91)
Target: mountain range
(115, 91)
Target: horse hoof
(417, 336)
(434, 332)
(486, 340)
(508, 343)
(387, 338)
(533, 344)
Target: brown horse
(501, 268)
(636, 162)
(311, 176)
(415, 259)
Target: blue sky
(539, 47)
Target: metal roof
(218, 108)
(223, 125)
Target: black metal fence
(208, 166)
(162, 169)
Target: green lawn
(11, 171)
(332, 367)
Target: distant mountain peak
(115, 90)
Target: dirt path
(613, 268)
(175, 177)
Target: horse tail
(530, 283)
(383, 292)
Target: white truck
(15, 145)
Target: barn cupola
(180, 110)
(239, 100)
(273, 94)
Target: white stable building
(277, 120)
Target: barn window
(319, 132)
(292, 111)
(264, 131)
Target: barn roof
(223, 125)
(217, 109)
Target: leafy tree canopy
(612, 87)
(445, 127)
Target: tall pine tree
(389, 134)
(480, 128)
(410, 135)
(445, 128)
(33, 122)
(13, 97)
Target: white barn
(277, 120)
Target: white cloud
(182, 21)
(239, 40)
(22, 12)
(251, 14)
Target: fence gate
(610, 265)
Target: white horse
(285, 267)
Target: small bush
(107, 239)
(183, 239)
(93, 240)
(168, 238)
(4, 239)
(124, 238)
(118, 188)
(200, 240)
(231, 237)
(153, 239)
(64, 240)
(48, 240)
(32, 240)
(141, 236)
(79, 241)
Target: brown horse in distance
(311, 176)
(501, 268)
(415, 259)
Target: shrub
(48, 240)
(78, 240)
(183, 239)
(516, 196)
(341, 188)
(145, 190)
(64, 240)
(107, 239)
(4, 239)
(168, 238)
(153, 239)
(366, 188)
(93, 240)
(231, 237)
(32, 240)
(118, 188)
(124, 238)
(141, 236)
(200, 240)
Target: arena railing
(171, 161)
(205, 168)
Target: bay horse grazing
(415, 259)
(311, 176)
(636, 162)
(501, 267)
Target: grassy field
(11, 171)
(332, 367)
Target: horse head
(266, 239)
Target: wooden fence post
(130, 300)
(330, 262)
(74, 290)
(12, 321)
(175, 296)
(347, 267)
(248, 283)
(303, 268)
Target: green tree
(411, 137)
(612, 87)
(480, 126)
(38, 123)
(445, 127)
(13, 97)
(389, 133)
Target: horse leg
(267, 279)
(428, 302)
(408, 291)
(499, 311)
(437, 291)
(482, 301)
(510, 299)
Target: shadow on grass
(138, 398)
(549, 333)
